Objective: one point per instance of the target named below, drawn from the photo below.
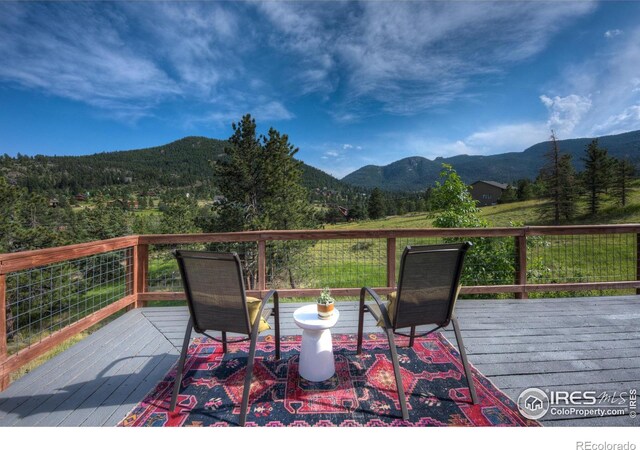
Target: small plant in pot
(325, 304)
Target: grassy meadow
(552, 259)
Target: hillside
(508, 214)
(418, 173)
(183, 163)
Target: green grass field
(554, 259)
(525, 213)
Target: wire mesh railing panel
(335, 263)
(581, 258)
(164, 275)
(489, 261)
(43, 300)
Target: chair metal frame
(252, 330)
(379, 311)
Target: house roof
(493, 183)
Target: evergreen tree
(28, 222)
(357, 212)
(179, 215)
(524, 189)
(623, 173)
(509, 195)
(596, 177)
(557, 178)
(260, 182)
(261, 187)
(104, 221)
(375, 205)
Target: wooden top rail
(12, 262)
(283, 235)
(287, 235)
(582, 229)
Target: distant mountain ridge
(185, 163)
(417, 173)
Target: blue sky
(350, 83)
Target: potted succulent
(325, 304)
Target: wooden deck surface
(570, 344)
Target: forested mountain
(185, 163)
(418, 173)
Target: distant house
(487, 192)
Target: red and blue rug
(361, 393)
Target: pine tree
(509, 195)
(623, 173)
(261, 185)
(375, 205)
(557, 178)
(596, 177)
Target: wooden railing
(137, 294)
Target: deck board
(572, 343)
(46, 374)
(68, 394)
(55, 375)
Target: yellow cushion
(391, 308)
(253, 305)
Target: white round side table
(316, 351)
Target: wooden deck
(571, 344)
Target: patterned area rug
(361, 393)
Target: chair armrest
(256, 325)
(381, 305)
(272, 293)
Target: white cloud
(605, 91)
(627, 120)
(507, 138)
(232, 111)
(272, 111)
(565, 113)
(368, 57)
(84, 59)
(406, 57)
(128, 58)
(331, 154)
(612, 33)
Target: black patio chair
(427, 290)
(215, 291)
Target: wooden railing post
(391, 262)
(521, 264)
(262, 265)
(140, 271)
(4, 377)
